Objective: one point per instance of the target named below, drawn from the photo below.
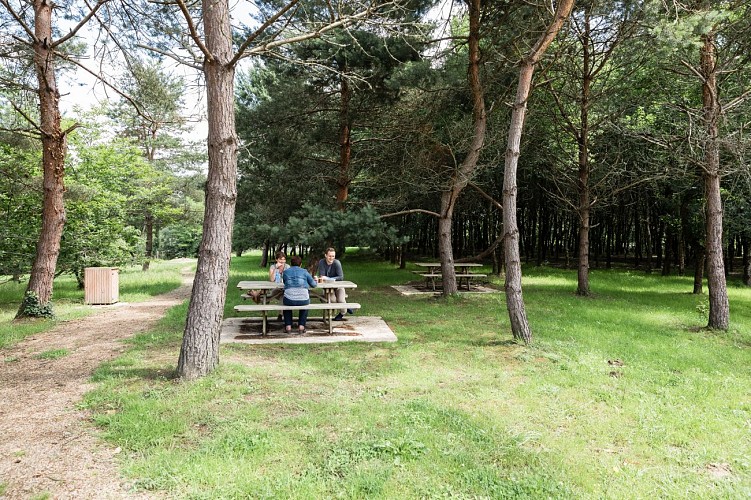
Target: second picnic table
(463, 274)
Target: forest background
(353, 124)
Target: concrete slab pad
(353, 329)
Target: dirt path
(47, 445)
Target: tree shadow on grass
(130, 372)
(504, 340)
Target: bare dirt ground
(48, 447)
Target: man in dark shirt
(331, 268)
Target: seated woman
(297, 281)
(275, 276)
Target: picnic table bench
(326, 307)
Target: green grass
(53, 354)
(67, 298)
(622, 395)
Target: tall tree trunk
(345, 144)
(638, 236)
(514, 300)
(466, 169)
(666, 260)
(609, 245)
(719, 307)
(582, 287)
(730, 256)
(699, 269)
(682, 238)
(149, 241)
(746, 260)
(54, 148)
(445, 248)
(265, 254)
(200, 348)
(650, 239)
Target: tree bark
(462, 176)
(699, 270)
(149, 229)
(682, 240)
(514, 300)
(54, 148)
(200, 348)
(746, 260)
(345, 144)
(719, 307)
(582, 287)
(445, 247)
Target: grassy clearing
(623, 395)
(135, 286)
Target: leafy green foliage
(20, 202)
(110, 189)
(292, 116)
(153, 119)
(32, 308)
(179, 241)
(318, 227)
(103, 182)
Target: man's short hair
(296, 260)
(329, 249)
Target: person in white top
(275, 276)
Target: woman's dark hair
(296, 260)
(280, 255)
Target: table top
(456, 264)
(270, 285)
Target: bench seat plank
(282, 307)
(326, 306)
(466, 275)
(430, 278)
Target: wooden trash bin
(101, 285)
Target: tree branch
(27, 118)
(170, 55)
(486, 195)
(105, 82)
(19, 20)
(252, 37)
(81, 23)
(694, 71)
(413, 211)
(737, 101)
(193, 32)
(482, 254)
(307, 36)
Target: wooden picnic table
(463, 273)
(435, 267)
(265, 287)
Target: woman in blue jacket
(297, 281)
